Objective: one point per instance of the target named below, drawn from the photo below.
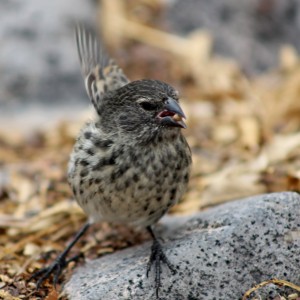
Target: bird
(131, 162)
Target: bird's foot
(157, 257)
(56, 268)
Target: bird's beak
(172, 115)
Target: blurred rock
(38, 59)
(219, 253)
(250, 31)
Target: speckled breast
(123, 184)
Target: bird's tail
(100, 73)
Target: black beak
(172, 114)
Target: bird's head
(143, 109)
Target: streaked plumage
(125, 166)
(131, 163)
(101, 74)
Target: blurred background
(235, 63)
(38, 60)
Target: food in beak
(172, 115)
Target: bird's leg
(60, 262)
(156, 257)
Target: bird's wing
(100, 73)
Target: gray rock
(38, 59)
(219, 253)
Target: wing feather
(100, 73)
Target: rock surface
(219, 254)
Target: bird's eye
(148, 105)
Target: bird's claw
(55, 268)
(157, 256)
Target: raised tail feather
(100, 73)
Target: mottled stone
(219, 254)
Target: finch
(131, 163)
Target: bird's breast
(131, 184)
